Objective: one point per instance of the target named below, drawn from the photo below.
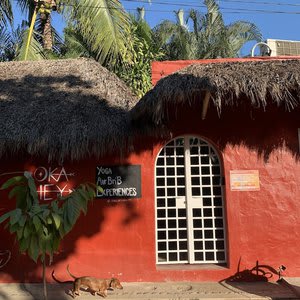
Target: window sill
(187, 267)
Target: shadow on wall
(257, 273)
(242, 125)
(58, 119)
(256, 281)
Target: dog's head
(115, 283)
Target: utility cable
(231, 9)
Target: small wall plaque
(244, 180)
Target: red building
(201, 173)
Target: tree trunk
(44, 278)
(48, 42)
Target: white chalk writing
(53, 182)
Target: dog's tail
(58, 281)
(70, 273)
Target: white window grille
(190, 223)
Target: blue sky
(277, 19)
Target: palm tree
(209, 37)
(174, 38)
(214, 38)
(103, 25)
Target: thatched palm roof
(62, 109)
(227, 83)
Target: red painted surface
(118, 238)
(163, 68)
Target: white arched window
(190, 221)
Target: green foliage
(136, 68)
(215, 39)
(39, 228)
(5, 44)
(74, 45)
(103, 30)
(101, 24)
(209, 37)
(11, 41)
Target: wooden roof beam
(205, 104)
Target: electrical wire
(197, 3)
(229, 9)
(262, 3)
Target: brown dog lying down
(94, 285)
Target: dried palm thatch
(62, 109)
(226, 83)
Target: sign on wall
(119, 181)
(244, 180)
(52, 182)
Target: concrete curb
(158, 291)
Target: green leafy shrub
(39, 228)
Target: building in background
(199, 176)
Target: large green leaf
(56, 219)
(13, 227)
(17, 190)
(32, 189)
(5, 216)
(24, 244)
(27, 231)
(12, 181)
(37, 223)
(15, 215)
(20, 193)
(33, 250)
(19, 233)
(73, 210)
(22, 220)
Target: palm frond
(164, 31)
(197, 21)
(5, 44)
(35, 50)
(103, 25)
(143, 29)
(213, 20)
(245, 30)
(6, 13)
(74, 45)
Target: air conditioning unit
(280, 48)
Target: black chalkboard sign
(119, 181)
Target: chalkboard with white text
(119, 181)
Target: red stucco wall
(118, 238)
